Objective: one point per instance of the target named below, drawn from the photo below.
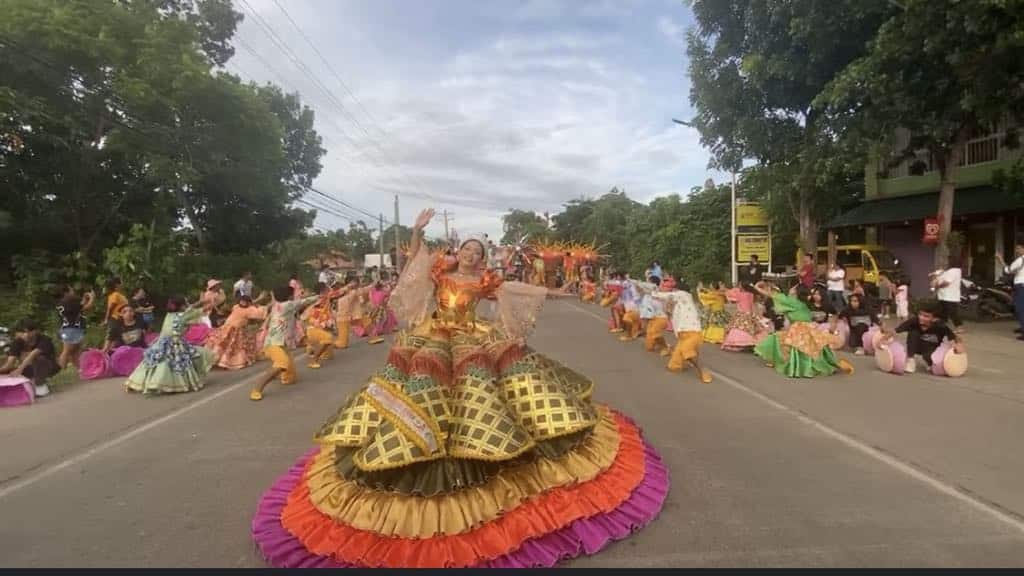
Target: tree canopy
(756, 68)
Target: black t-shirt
(933, 336)
(43, 343)
(861, 316)
(751, 273)
(820, 313)
(69, 312)
(122, 335)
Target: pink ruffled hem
(586, 536)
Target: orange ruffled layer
(407, 516)
(542, 515)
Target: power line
(308, 73)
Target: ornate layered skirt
(465, 450)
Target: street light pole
(732, 210)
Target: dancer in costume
(233, 344)
(632, 325)
(588, 288)
(115, 300)
(348, 310)
(171, 364)
(713, 315)
(381, 319)
(467, 449)
(613, 300)
(319, 325)
(213, 299)
(745, 328)
(657, 323)
(280, 324)
(689, 333)
(801, 350)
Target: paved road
(870, 470)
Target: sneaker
(705, 376)
(42, 390)
(314, 365)
(911, 366)
(664, 353)
(858, 352)
(256, 395)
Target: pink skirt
(197, 334)
(233, 348)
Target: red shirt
(807, 275)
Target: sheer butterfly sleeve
(412, 294)
(518, 307)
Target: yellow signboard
(748, 245)
(750, 214)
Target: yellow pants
(281, 360)
(654, 340)
(343, 334)
(316, 338)
(687, 348)
(608, 300)
(631, 323)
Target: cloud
(671, 30)
(524, 107)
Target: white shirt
(685, 317)
(1017, 269)
(836, 280)
(326, 277)
(243, 288)
(649, 306)
(951, 292)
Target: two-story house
(900, 196)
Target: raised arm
(417, 231)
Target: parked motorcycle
(985, 304)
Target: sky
(476, 108)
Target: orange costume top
(240, 316)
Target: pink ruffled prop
(93, 365)
(585, 536)
(196, 334)
(868, 340)
(16, 391)
(125, 360)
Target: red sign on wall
(931, 231)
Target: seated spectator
(128, 330)
(32, 355)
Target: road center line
(1007, 517)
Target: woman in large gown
(466, 449)
(745, 329)
(714, 317)
(171, 365)
(801, 350)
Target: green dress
(171, 364)
(802, 350)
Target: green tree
(756, 68)
(946, 71)
(519, 223)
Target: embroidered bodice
(457, 297)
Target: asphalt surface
(867, 470)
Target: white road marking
(33, 477)
(1007, 517)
